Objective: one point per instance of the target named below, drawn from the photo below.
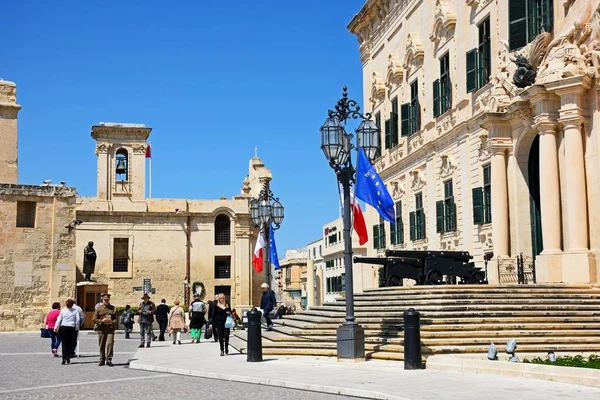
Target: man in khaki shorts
(105, 323)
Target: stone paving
(28, 372)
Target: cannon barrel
(388, 260)
(457, 255)
(370, 260)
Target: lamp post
(264, 211)
(336, 144)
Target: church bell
(121, 166)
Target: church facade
(167, 246)
(489, 118)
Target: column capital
(546, 123)
(571, 117)
(499, 145)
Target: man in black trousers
(212, 305)
(162, 317)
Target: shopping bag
(229, 324)
(208, 332)
(45, 333)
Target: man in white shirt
(81, 321)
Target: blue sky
(213, 79)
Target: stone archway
(535, 217)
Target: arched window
(222, 230)
(122, 165)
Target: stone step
(431, 315)
(563, 288)
(423, 309)
(418, 304)
(484, 296)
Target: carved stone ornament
(414, 53)
(574, 50)
(444, 22)
(529, 59)
(139, 149)
(482, 151)
(395, 73)
(524, 114)
(417, 182)
(398, 189)
(377, 88)
(102, 148)
(447, 166)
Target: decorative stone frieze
(398, 188)
(483, 154)
(444, 22)
(103, 148)
(447, 166)
(417, 182)
(139, 149)
(414, 52)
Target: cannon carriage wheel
(434, 277)
(476, 277)
(394, 280)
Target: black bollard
(254, 336)
(412, 339)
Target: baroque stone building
(489, 117)
(207, 243)
(37, 237)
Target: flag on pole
(148, 151)
(371, 189)
(358, 219)
(273, 248)
(257, 257)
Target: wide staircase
(454, 320)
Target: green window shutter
(412, 223)
(375, 236)
(394, 117)
(382, 241)
(436, 98)
(422, 224)
(416, 110)
(478, 206)
(439, 216)
(472, 71)
(517, 24)
(450, 210)
(393, 228)
(388, 134)
(405, 119)
(400, 231)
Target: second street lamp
(336, 144)
(266, 210)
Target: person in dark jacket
(267, 303)
(197, 318)
(211, 315)
(222, 311)
(162, 317)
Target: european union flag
(371, 190)
(273, 248)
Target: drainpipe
(188, 245)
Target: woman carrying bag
(177, 322)
(220, 320)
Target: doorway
(226, 290)
(534, 197)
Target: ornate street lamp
(266, 210)
(336, 144)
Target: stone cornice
(9, 189)
(106, 131)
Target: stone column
(549, 188)
(500, 223)
(310, 283)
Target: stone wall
(37, 264)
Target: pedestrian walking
(105, 323)
(268, 302)
(146, 311)
(176, 322)
(127, 320)
(162, 317)
(81, 322)
(212, 305)
(222, 311)
(50, 323)
(66, 325)
(197, 318)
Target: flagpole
(150, 171)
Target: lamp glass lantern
(278, 213)
(368, 138)
(264, 211)
(332, 140)
(254, 212)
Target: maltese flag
(358, 219)
(257, 257)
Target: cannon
(394, 270)
(426, 267)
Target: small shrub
(578, 361)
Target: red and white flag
(358, 219)
(148, 151)
(257, 257)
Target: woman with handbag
(50, 323)
(224, 322)
(177, 322)
(67, 323)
